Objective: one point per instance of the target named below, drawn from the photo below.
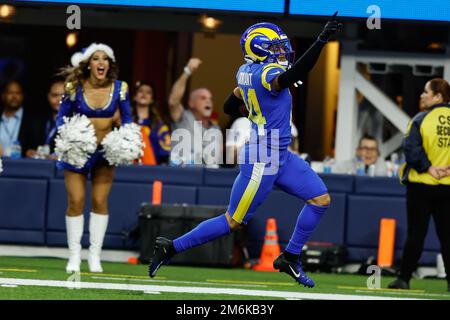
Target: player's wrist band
(187, 71)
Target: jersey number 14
(254, 110)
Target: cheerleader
(93, 103)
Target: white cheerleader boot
(74, 227)
(97, 228)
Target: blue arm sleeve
(415, 154)
(124, 104)
(65, 109)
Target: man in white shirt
(11, 117)
(239, 134)
(368, 154)
(17, 124)
(200, 108)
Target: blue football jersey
(268, 109)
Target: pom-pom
(124, 145)
(76, 140)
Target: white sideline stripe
(152, 292)
(37, 251)
(206, 290)
(184, 282)
(411, 293)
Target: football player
(263, 86)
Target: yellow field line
(118, 275)
(379, 289)
(19, 270)
(252, 282)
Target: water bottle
(42, 152)
(196, 159)
(360, 167)
(327, 165)
(395, 164)
(371, 171)
(175, 160)
(16, 150)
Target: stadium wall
(33, 202)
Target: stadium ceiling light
(71, 39)
(210, 23)
(435, 46)
(7, 11)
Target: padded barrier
(22, 236)
(363, 221)
(330, 229)
(168, 175)
(124, 203)
(379, 186)
(22, 210)
(338, 182)
(28, 169)
(361, 255)
(358, 204)
(148, 174)
(221, 178)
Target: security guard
(426, 174)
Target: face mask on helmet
(281, 52)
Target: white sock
(74, 227)
(97, 229)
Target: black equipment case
(323, 256)
(171, 221)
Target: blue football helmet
(266, 43)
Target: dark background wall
(155, 45)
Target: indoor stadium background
(153, 40)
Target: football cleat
(163, 251)
(294, 269)
(399, 284)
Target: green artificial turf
(122, 273)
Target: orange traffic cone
(133, 260)
(271, 248)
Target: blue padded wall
(330, 229)
(222, 178)
(362, 254)
(379, 186)
(22, 212)
(338, 182)
(24, 168)
(168, 175)
(124, 203)
(363, 221)
(33, 201)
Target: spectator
(145, 113)
(200, 109)
(237, 136)
(54, 96)
(17, 124)
(367, 153)
(426, 174)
